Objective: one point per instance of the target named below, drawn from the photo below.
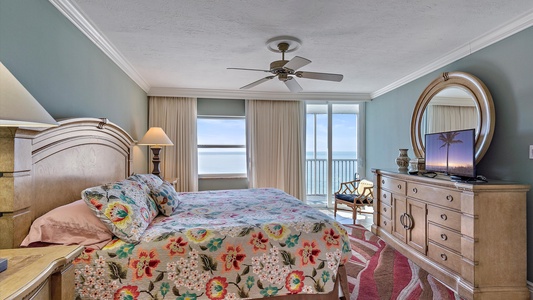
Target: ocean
(222, 162)
(234, 162)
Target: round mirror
(454, 101)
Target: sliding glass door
(332, 143)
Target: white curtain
(440, 118)
(276, 145)
(177, 117)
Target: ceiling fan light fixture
(286, 69)
(293, 43)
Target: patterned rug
(377, 271)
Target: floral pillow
(151, 180)
(125, 207)
(166, 198)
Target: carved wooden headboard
(41, 169)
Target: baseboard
(530, 288)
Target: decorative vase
(403, 160)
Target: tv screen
(451, 153)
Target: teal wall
(66, 72)
(506, 68)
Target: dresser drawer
(444, 237)
(444, 257)
(385, 210)
(394, 185)
(42, 292)
(444, 217)
(385, 197)
(385, 224)
(440, 196)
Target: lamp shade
(156, 137)
(17, 105)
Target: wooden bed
(41, 169)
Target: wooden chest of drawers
(39, 273)
(470, 236)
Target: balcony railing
(317, 174)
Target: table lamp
(18, 108)
(156, 138)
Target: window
(221, 146)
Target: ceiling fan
(286, 71)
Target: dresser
(39, 273)
(470, 236)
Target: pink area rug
(378, 271)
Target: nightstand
(39, 273)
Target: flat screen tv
(452, 153)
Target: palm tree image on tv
(448, 139)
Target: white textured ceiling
(189, 44)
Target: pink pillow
(69, 224)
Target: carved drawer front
(440, 196)
(445, 237)
(444, 217)
(385, 211)
(385, 224)
(444, 257)
(385, 197)
(393, 185)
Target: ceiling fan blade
(244, 69)
(251, 85)
(296, 62)
(319, 76)
(293, 85)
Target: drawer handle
(407, 221)
(385, 223)
(444, 217)
(399, 186)
(384, 209)
(415, 190)
(384, 196)
(402, 217)
(383, 181)
(410, 222)
(443, 256)
(444, 237)
(449, 198)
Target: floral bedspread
(221, 245)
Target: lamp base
(156, 161)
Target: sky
(344, 133)
(221, 132)
(232, 132)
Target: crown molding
(256, 95)
(74, 14)
(520, 23)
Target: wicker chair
(355, 194)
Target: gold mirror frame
(480, 94)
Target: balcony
(317, 174)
